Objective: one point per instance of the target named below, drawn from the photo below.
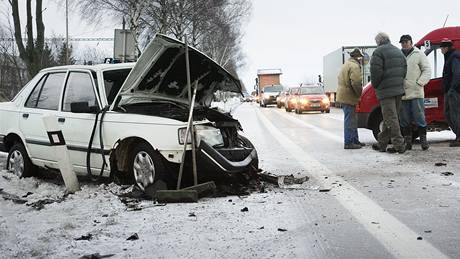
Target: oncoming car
(311, 98)
(269, 95)
(128, 121)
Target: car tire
(145, 166)
(278, 106)
(247, 143)
(328, 111)
(19, 163)
(376, 123)
(287, 109)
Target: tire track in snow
(396, 237)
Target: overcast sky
(294, 35)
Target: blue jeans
(412, 111)
(350, 124)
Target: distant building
(268, 77)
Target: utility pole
(67, 32)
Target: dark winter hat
(446, 43)
(405, 37)
(356, 53)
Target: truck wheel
(376, 124)
(247, 143)
(19, 163)
(145, 166)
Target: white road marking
(396, 237)
(319, 130)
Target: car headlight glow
(325, 100)
(304, 101)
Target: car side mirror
(83, 107)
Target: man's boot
(407, 134)
(423, 141)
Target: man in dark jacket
(388, 70)
(451, 85)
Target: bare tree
(31, 52)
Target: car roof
(99, 67)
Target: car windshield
(311, 90)
(271, 89)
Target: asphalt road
(380, 205)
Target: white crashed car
(144, 109)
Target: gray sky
(294, 35)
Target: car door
(43, 100)
(76, 125)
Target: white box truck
(332, 63)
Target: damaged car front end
(157, 87)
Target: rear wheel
(18, 161)
(145, 166)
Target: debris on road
(324, 190)
(245, 209)
(282, 229)
(133, 237)
(191, 214)
(175, 196)
(96, 256)
(419, 238)
(440, 164)
(447, 173)
(427, 231)
(11, 197)
(282, 180)
(86, 237)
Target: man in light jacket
(412, 107)
(388, 70)
(348, 95)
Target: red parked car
(368, 109)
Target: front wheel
(145, 166)
(19, 163)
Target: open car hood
(160, 72)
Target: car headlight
(212, 136)
(266, 96)
(325, 101)
(304, 101)
(182, 133)
(292, 100)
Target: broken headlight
(212, 136)
(182, 134)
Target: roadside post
(59, 147)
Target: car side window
(33, 97)
(79, 88)
(51, 91)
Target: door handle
(61, 119)
(25, 115)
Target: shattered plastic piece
(282, 229)
(440, 164)
(87, 237)
(133, 237)
(11, 197)
(262, 227)
(427, 231)
(447, 173)
(419, 238)
(27, 194)
(96, 256)
(324, 190)
(191, 214)
(245, 209)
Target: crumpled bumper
(225, 161)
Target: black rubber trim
(38, 142)
(69, 147)
(223, 163)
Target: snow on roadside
(227, 106)
(214, 227)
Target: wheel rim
(16, 163)
(144, 170)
